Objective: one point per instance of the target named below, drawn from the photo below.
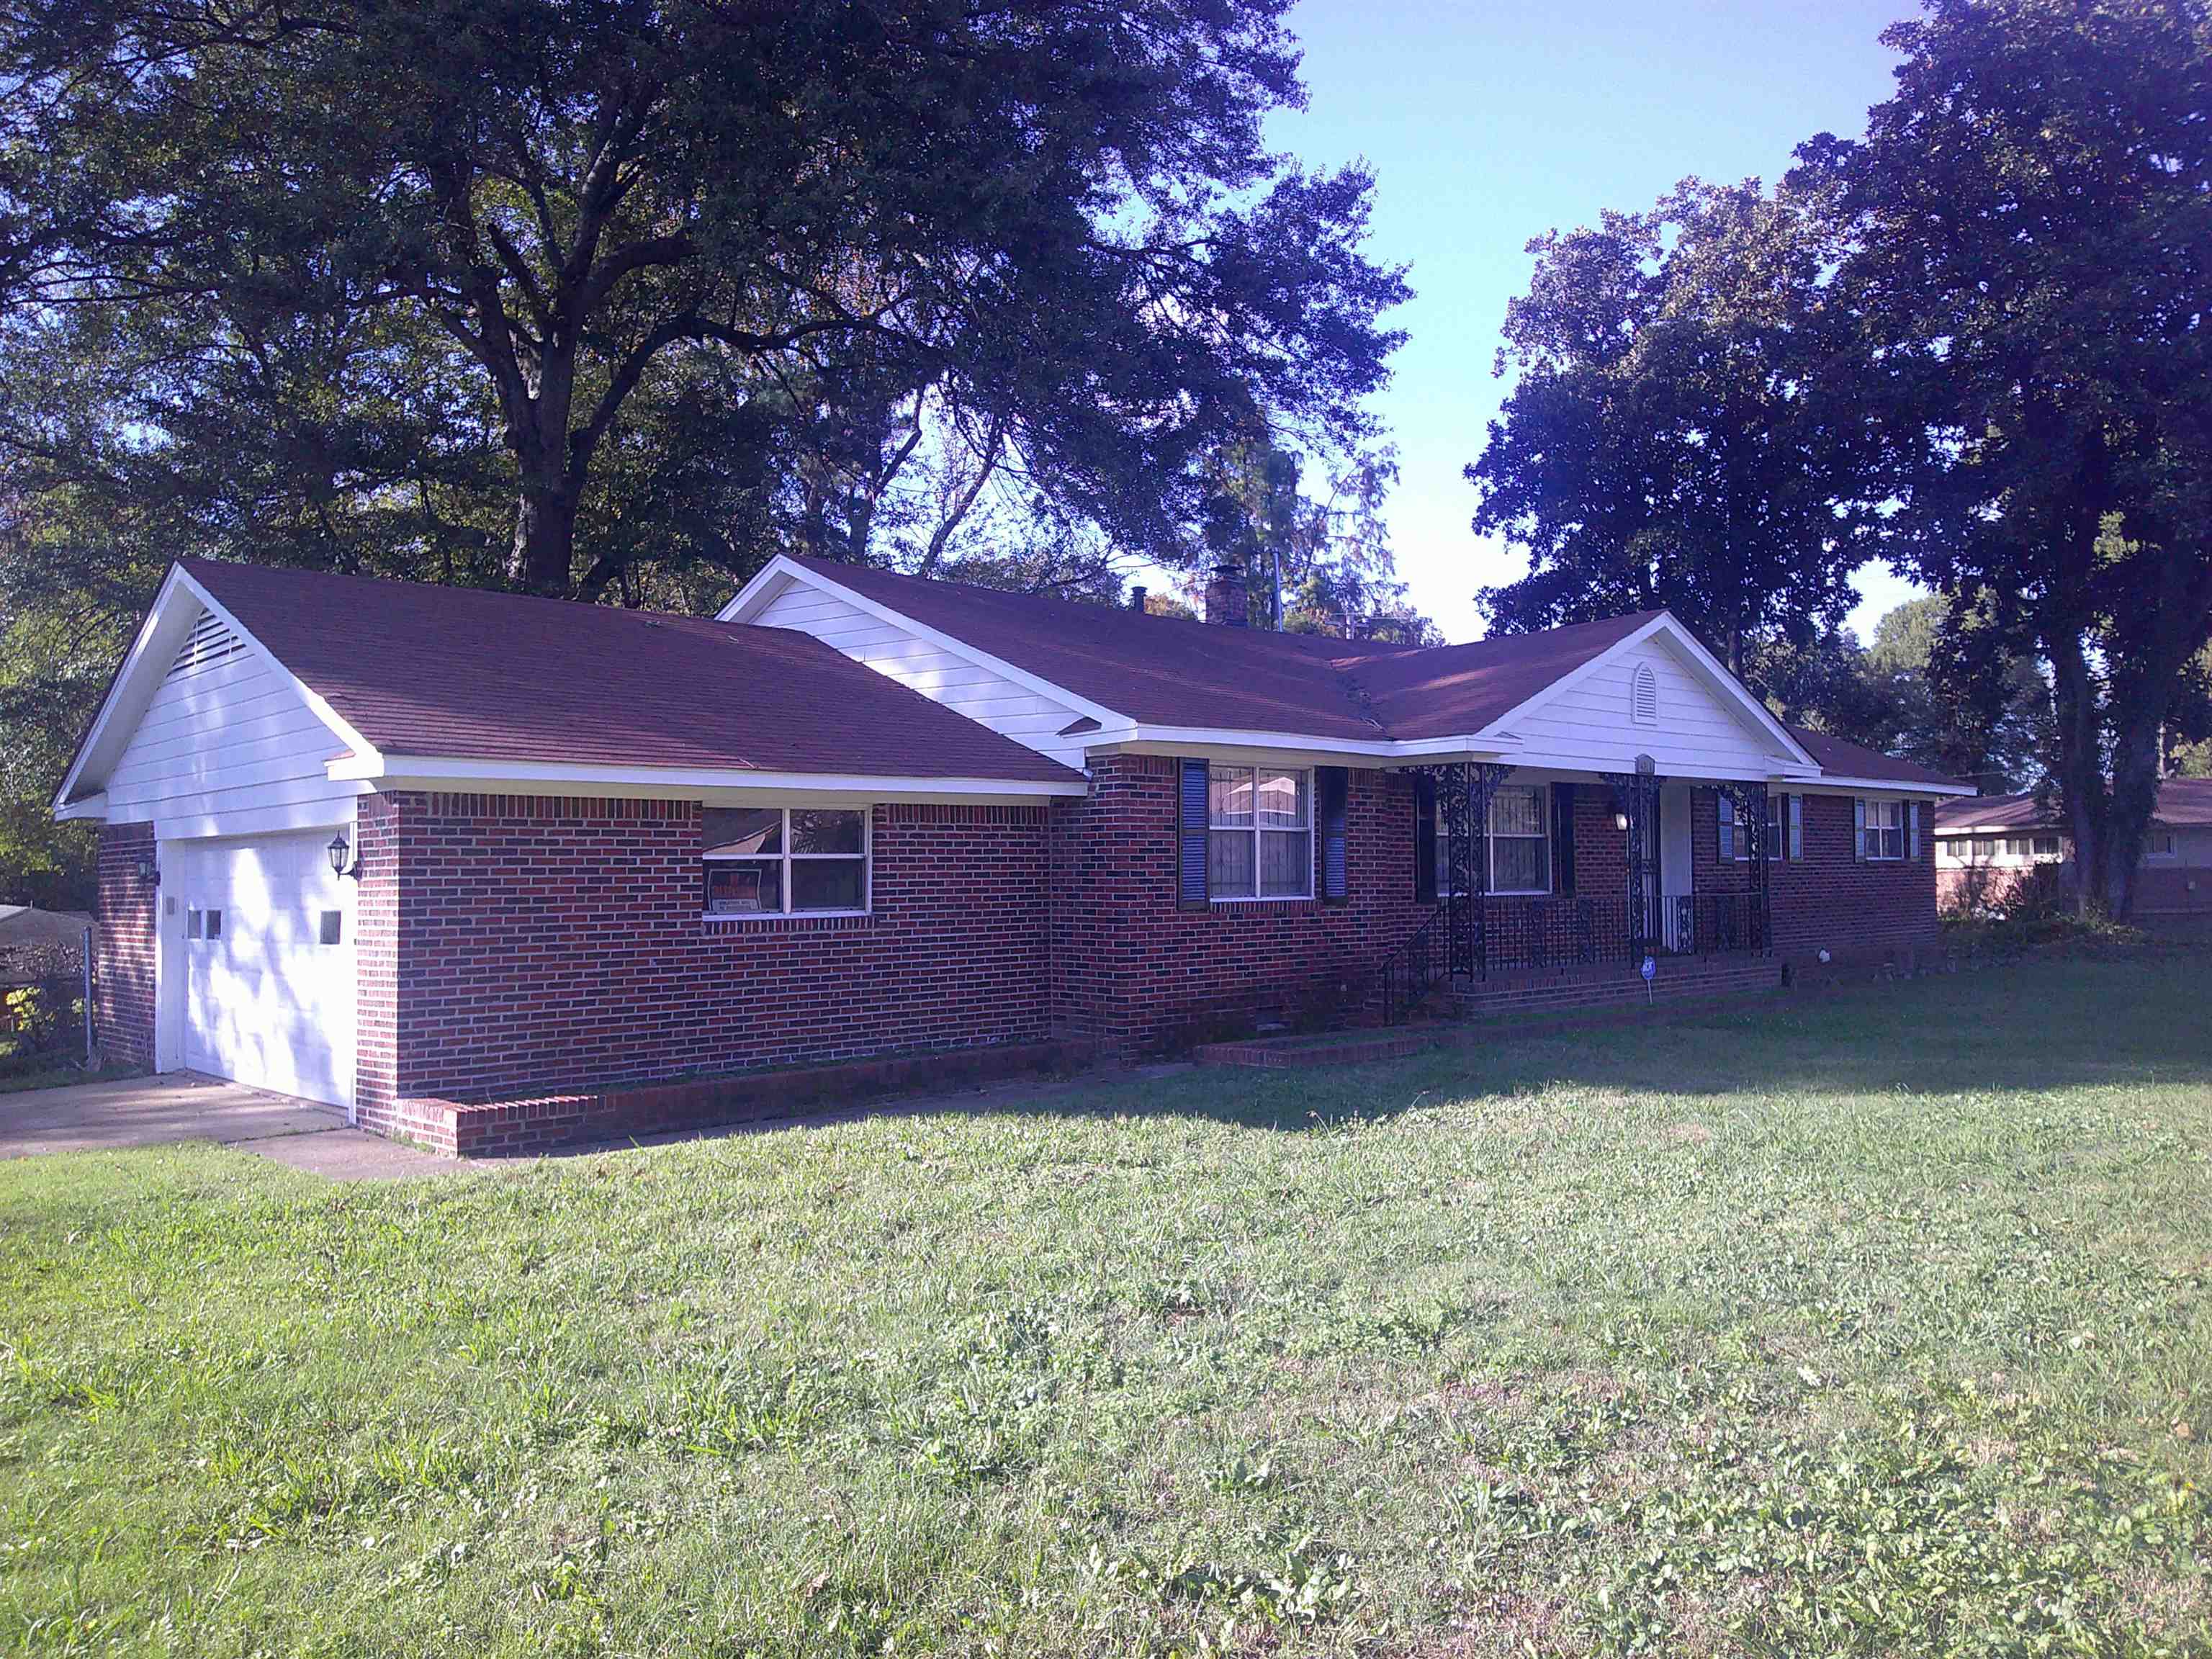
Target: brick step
(1349, 1049)
(1582, 989)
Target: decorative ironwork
(1754, 822)
(1636, 797)
(1412, 970)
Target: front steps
(1610, 985)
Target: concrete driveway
(185, 1106)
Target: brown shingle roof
(2183, 803)
(1165, 671)
(461, 673)
(1852, 760)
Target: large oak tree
(652, 260)
(2030, 221)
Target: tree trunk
(2081, 770)
(2135, 800)
(543, 554)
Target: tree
(762, 248)
(1967, 705)
(2030, 222)
(1668, 438)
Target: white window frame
(787, 858)
(1871, 806)
(2165, 844)
(1733, 835)
(1217, 769)
(1491, 838)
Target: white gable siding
(1590, 726)
(988, 698)
(227, 747)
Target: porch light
(1620, 819)
(338, 849)
(150, 874)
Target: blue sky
(1489, 123)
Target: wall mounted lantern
(338, 849)
(150, 874)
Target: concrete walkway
(185, 1106)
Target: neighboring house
(863, 814)
(1991, 848)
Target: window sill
(775, 918)
(1262, 898)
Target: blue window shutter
(1858, 830)
(1425, 839)
(1796, 816)
(1724, 816)
(1332, 785)
(1191, 814)
(1912, 829)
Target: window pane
(824, 832)
(1229, 797)
(741, 886)
(1229, 863)
(744, 830)
(1283, 800)
(828, 883)
(1519, 864)
(1285, 863)
(1516, 812)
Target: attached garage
(263, 940)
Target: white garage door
(268, 958)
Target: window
(2162, 844)
(785, 860)
(1259, 832)
(1884, 836)
(1782, 815)
(2047, 846)
(1985, 847)
(194, 927)
(214, 924)
(1520, 841)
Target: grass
(1874, 1323)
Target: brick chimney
(1226, 601)
(1137, 599)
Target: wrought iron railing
(1516, 934)
(1410, 972)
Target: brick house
(1992, 851)
(410, 850)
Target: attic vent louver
(1644, 698)
(211, 641)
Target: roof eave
(391, 772)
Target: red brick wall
(1137, 974)
(125, 912)
(518, 945)
(1830, 899)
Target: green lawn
(1874, 1323)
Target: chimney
(1137, 599)
(1226, 602)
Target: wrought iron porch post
(1483, 778)
(1635, 796)
(1753, 812)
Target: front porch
(1605, 871)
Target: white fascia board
(137, 663)
(1209, 740)
(1704, 664)
(755, 593)
(1831, 784)
(391, 772)
(92, 806)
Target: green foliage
(2029, 222)
(1874, 1322)
(1671, 437)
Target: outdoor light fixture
(1620, 820)
(150, 874)
(338, 849)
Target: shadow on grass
(2025, 1029)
